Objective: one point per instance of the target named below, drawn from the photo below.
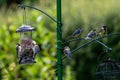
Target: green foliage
(46, 59)
(86, 14)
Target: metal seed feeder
(27, 49)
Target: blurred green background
(86, 14)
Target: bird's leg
(33, 56)
(20, 60)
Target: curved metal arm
(72, 40)
(94, 40)
(85, 39)
(87, 43)
(23, 6)
(103, 45)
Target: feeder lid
(25, 28)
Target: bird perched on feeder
(21, 52)
(68, 52)
(35, 48)
(91, 34)
(76, 33)
(103, 31)
(18, 49)
(27, 51)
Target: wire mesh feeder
(108, 70)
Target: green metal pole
(59, 40)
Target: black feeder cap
(25, 28)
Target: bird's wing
(18, 49)
(68, 53)
(35, 49)
(76, 32)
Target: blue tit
(76, 33)
(103, 31)
(68, 52)
(91, 34)
(18, 50)
(35, 48)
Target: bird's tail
(70, 56)
(87, 38)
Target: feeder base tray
(26, 60)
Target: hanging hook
(103, 53)
(24, 15)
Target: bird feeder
(27, 49)
(108, 70)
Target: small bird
(76, 33)
(35, 48)
(103, 31)
(68, 52)
(18, 50)
(91, 34)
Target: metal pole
(59, 40)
